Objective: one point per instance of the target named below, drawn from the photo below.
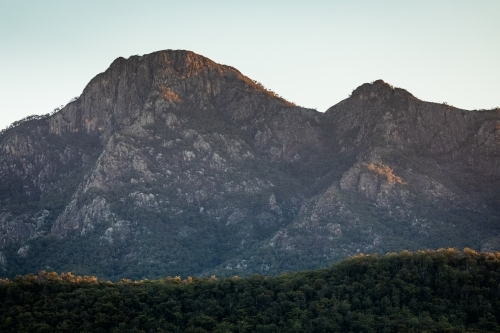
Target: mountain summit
(140, 88)
(171, 164)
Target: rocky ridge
(169, 163)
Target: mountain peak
(142, 88)
(184, 63)
(379, 89)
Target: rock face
(171, 164)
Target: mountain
(171, 164)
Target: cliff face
(172, 164)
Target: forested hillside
(424, 291)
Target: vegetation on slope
(433, 291)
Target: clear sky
(313, 53)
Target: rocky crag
(171, 164)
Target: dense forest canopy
(423, 291)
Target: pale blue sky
(313, 53)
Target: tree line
(424, 291)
